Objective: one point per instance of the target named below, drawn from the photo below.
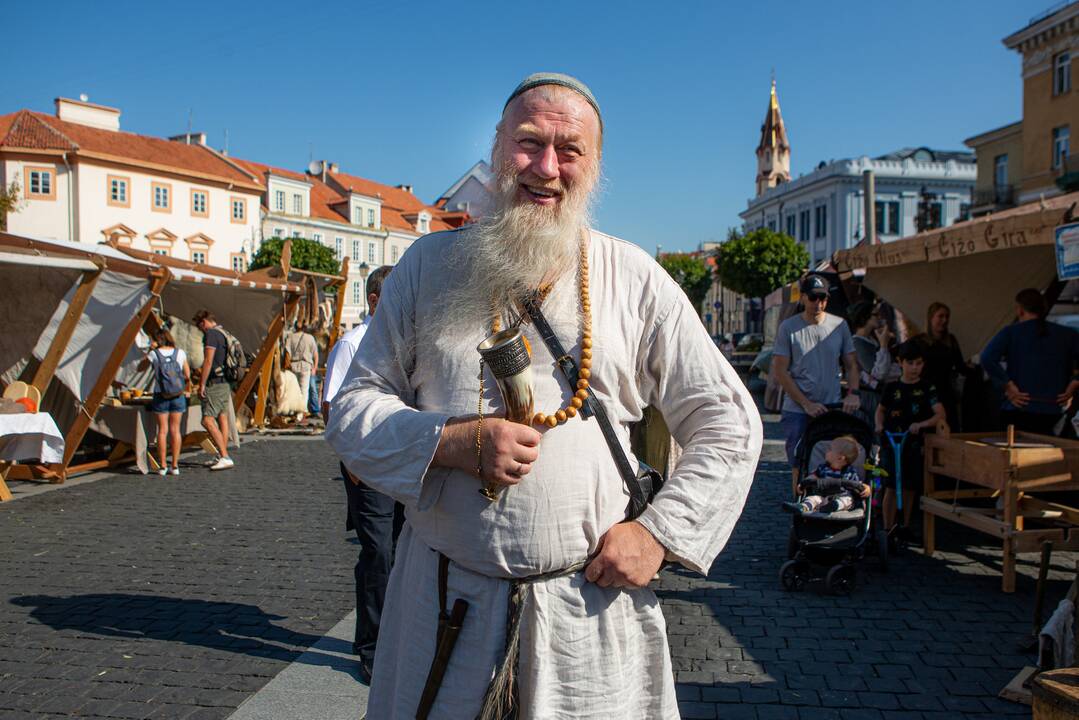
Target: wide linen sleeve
(374, 426)
(713, 417)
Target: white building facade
(824, 210)
(82, 179)
(369, 223)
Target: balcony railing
(999, 195)
(1068, 173)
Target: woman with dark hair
(944, 361)
(172, 374)
(872, 339)
(1042, 359)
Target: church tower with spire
(774, 151)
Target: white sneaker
(211, 463)
(175, 471)
(223, 464)
(162, 472)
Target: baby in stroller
(832, 485)
(833, 515)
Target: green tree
(306, 255)
(9, 202)
(758, 262)
(691, 273)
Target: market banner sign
(890, 254)
(1067, 249)
(1025, 226)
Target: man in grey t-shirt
(809, 349)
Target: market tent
(87, 332)
(33, 288)
(322, 299)
(253, 308)
(975, 267)
(245, 306)
(73, 355)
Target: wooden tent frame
(156, 270)
(278, 273)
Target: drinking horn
(506, 353)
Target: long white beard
(513, 251)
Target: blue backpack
(170, 376)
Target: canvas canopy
(40, 289)
(974, 267)
(33, 287)
(82, 306)
(244, 307)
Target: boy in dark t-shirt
(908, 405)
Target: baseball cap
(814, 286)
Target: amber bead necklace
(585, 366)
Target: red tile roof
(37, 131)
(260, 169)
(323, 198)
(396, 202)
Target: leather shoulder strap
(592, 404)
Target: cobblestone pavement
(934, 638)
(149, 597)
(146, 597)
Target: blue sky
(409, 92)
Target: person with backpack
(219, 369)
(171, 376)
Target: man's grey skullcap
(566, 81)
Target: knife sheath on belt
(447, 638)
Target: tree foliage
(691, 273)
(9, 202)
(757, 263)
(306, 255)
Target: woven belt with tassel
(500, 701)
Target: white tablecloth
(135, 425)
(30, 436)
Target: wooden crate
(1056, 695)
(1011, 472)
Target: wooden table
(133, 426)
(1007, 469)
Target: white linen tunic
(586, 652)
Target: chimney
(192, 138)
(85, 113)
(333, 168)
(406, 188)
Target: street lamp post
(364, 268)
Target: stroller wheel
(840, 580)
(792, 544)
(882, 549)
(793, 575)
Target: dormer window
(370, 217)
(279, 200)
(297, 204)
(357, 215)
(423, 224)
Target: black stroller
(836, 540)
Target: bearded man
(555, 545)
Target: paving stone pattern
(146, 597)
(933, 638)
(149, 597)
